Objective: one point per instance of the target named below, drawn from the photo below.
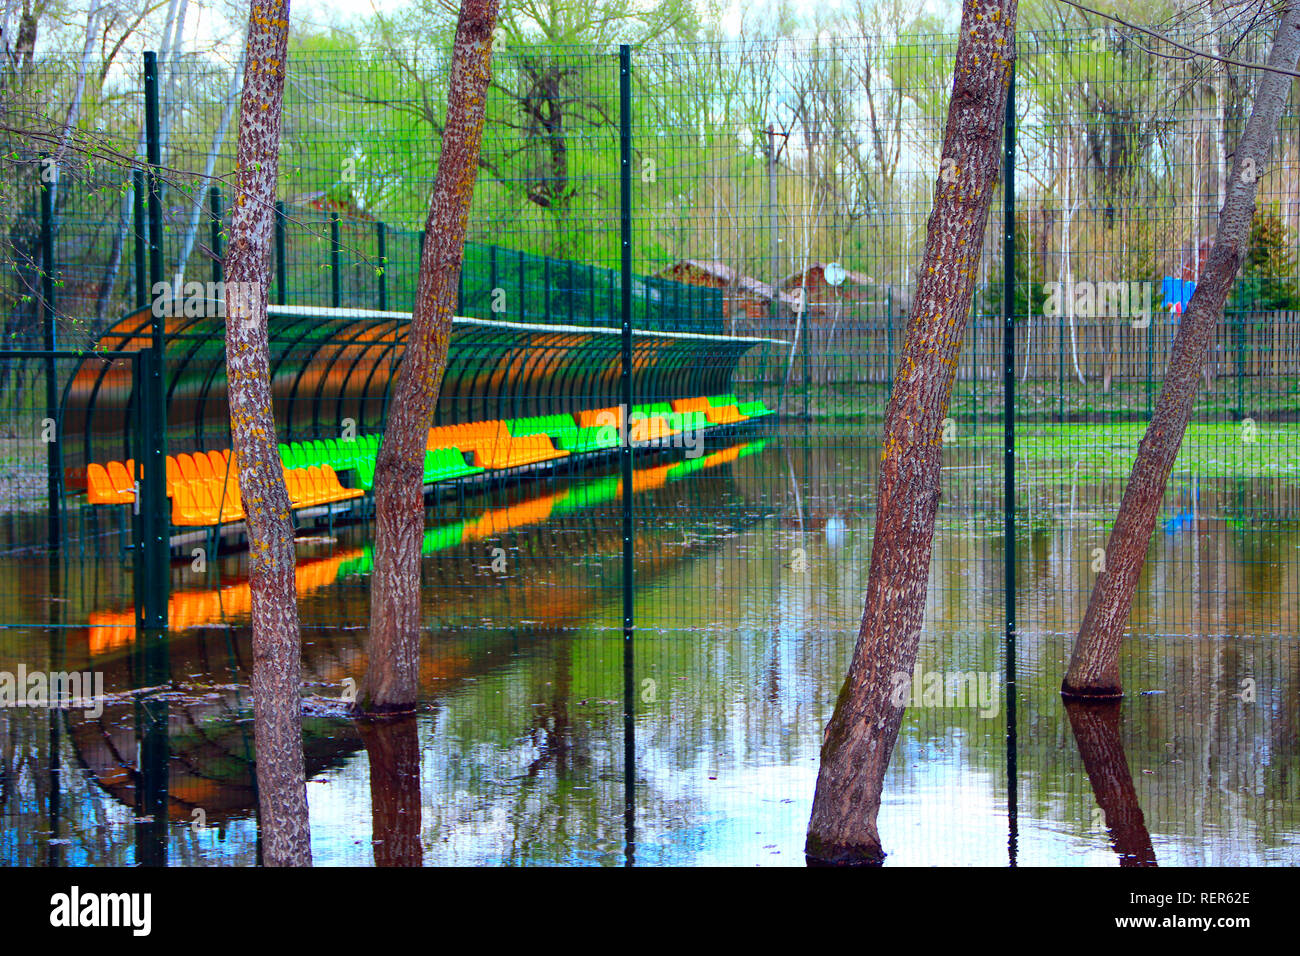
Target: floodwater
(750, 576)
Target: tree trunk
(864, 726)
(1096, 730)
(390, 684)
(1094, 666)
(277, 655)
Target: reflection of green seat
(716, 400)
(586, 495)
(435, 539)
(688, 465)
(443, 537)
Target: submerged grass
(1228, 450)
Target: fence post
(53, 454)
(336, 251)
(152, 390)
(214, 210)
(523, 302)
(381, 250)
(1009, 442)
(281, 277)
(625, 451)
(141, 239)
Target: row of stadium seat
(204, 487)
(208, 489)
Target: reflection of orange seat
(644, 479)
(110, 630)
(531, 512)
(700, 404)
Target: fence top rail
(67, 353)
(330, 312)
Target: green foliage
(1268, 274)
(1029, 294)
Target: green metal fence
(631, 655)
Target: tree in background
(277, 652)
(391, 682)
(1094, 665)
(863, 728)
(1269, 270)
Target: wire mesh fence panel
(755, 211)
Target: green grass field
(1104, 451)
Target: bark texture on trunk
(1096, 727)
(277, 660)
(1094, 665)
(860, 736)
(390, 684)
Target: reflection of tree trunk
(1096, 731)
(394, 750)
(860, 737)
(1094, 665)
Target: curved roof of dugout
(328, 365)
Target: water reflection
(393, 748)
(516, 753)
(1096, 728)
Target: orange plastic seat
(649, 429)
(597, 417)
(173, 474)
(335, 487)
(725, 415)
(100, 488)
(512, 453)
(202, 466)
(188, 468)
(699, 404)
(120, 476)
(185, 506)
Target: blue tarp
(1177, 292)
